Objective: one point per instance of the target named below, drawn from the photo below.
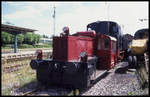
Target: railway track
(110, 83)
(52, 91)
(56, 90)
(29, 93)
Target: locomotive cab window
(106, 45)
(103, 44)
(114, 47)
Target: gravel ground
(119, 81)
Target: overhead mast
(107, 10)
(54, 21)
(107, 13)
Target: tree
(29, 38)
(20, 38)
(38, 38)
(12, 39)
(6, 38)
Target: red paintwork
(69, 48)
(107, 58)
(120, 55)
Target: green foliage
(44, 46)
(8, 46)
(26, 46)
(6, 38)
(34, 46)
(28, 40)
(31, 38)
(36, 38)
(20, 38)
(12, 37)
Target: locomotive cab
(106, 51)
(112, 29)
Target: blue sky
(76, 15)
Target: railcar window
(114, 29)
(99, 44)
(114, 47)
(106, 47)
(103, 44)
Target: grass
(17, 79)
(131, 93)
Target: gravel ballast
(118, 81)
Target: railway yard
(19, 79)
(92, 49)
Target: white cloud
(38, 15)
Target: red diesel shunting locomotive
(77, 59)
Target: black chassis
(68, 74)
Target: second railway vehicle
(78, 59)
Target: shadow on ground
(125, 69)
(121, 70)
(27, 87)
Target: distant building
(45, 40)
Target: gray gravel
(120, 83)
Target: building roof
(14, 29)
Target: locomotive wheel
(130, 60)
(134, 61)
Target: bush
(25, 46)
(43, 46)
(34, 46)
(8, 46)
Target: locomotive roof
(112, 38)
(141, 33)
(103, 22)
